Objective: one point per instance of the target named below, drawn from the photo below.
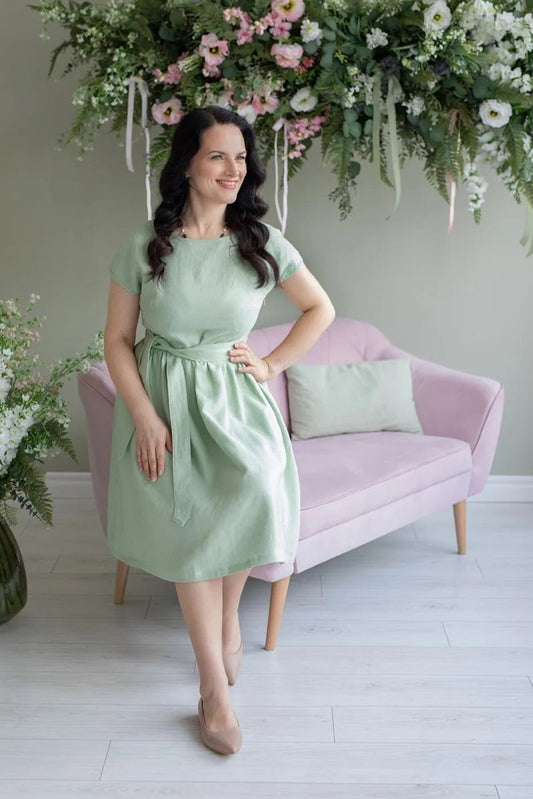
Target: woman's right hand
(152, 436)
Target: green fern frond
(515, 144)
(29, 489)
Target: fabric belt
(178, 407)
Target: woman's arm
(152, 434)
(318, 313)
(119, 341)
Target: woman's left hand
(250, 362)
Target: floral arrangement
(382, 80)
(33, 415)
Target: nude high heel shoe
(232, 664)
(225, 742)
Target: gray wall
(464, 300)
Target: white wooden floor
(403, 671)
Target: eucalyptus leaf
(310, 47)
(229, 69)
(437, 135)
(166, 33)
(350, 115)
(481, 87)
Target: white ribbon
(143, 90)
(282, 216)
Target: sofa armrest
(458, 405)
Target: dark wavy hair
(242, 216)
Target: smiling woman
(203, 481)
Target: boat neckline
(219, 238)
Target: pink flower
(245, 34)
(167, 113)
(210, 71)
(300, 129)
(174, 71)
(276, 24)
(265, 103)
(289, 9)
(306, 64)
(236, 16)
(287, 55)
(281, 28)
(213, 50)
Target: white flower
(495, 113)
(310, 31)
(415, 105)
(376, 38)
(476, 186)
(248, 112)
(303, 100)
(5, 385)
(15, 423)
(437, 16)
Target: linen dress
(229, 496)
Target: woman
(203, 483)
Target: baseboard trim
(499, 487)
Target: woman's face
(217, 170)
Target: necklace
(183, 235)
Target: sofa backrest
(345, 341)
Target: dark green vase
(13, 585)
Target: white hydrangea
(14, 424)
(514, 77)
(348, 97)
(376, 38)
(476, 13)
(492, 146)
(415, 105)
(502, 53)
(5, 374)
(310, 31)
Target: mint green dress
(229, 496)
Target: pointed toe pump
(225, 742)
(232, 664)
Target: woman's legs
(210, 609)
(201, 605)
(232, 587)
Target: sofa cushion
(344, 476)
(329, 399)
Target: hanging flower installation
(381, 80)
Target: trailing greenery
(447, 82)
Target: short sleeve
(130, 261)
(285, 253)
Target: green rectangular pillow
(325, 400)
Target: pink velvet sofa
(355, 487)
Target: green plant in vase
(33, 425)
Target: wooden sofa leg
(121, 579)
(459, 514)
(278, 594)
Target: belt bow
(178, 407)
